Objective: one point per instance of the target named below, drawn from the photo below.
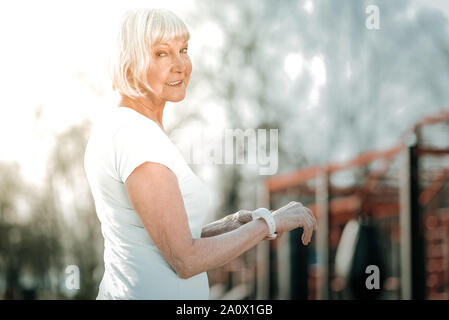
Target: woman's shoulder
(136, 127)
(120, 121)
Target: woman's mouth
(174, 84)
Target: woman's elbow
(184, 275)
(183, 266)
(186, 271)
(190, 267)
(180, 269)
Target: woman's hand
(238, 219)
(226, 224)
(295, 215)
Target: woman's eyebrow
(167, 45)
(155, 47)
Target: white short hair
(140, 30)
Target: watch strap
(265, 214)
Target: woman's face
(170, 69)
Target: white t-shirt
(134, 266)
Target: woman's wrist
(265, 214)
(265, 226)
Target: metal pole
(273, 288)
(418, 257)
(285, 280)
(263, 252)
(299, 263)
(413, 272)
(322, 196)
(405, 226)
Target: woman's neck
(145, 107)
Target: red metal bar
(439, 117)
(281, 182)
(288, 180)
(433, 151)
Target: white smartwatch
(265, 214)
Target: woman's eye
(163, 54)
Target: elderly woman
(151, 205)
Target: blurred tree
(60, 228)
(29, 247)
(67, 184)
(313, 69)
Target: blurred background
(357, 90)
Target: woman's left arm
(226, 224)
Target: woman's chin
(177, 98)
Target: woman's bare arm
(218, 250)
(154, 194)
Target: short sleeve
(137, 144)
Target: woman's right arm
(154, 193)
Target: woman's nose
(179, 65)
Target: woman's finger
(309, 218)
(310, 229)
(304, 228)
(313, 221)
(315, 224)
(303, 238)
(306, 232)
